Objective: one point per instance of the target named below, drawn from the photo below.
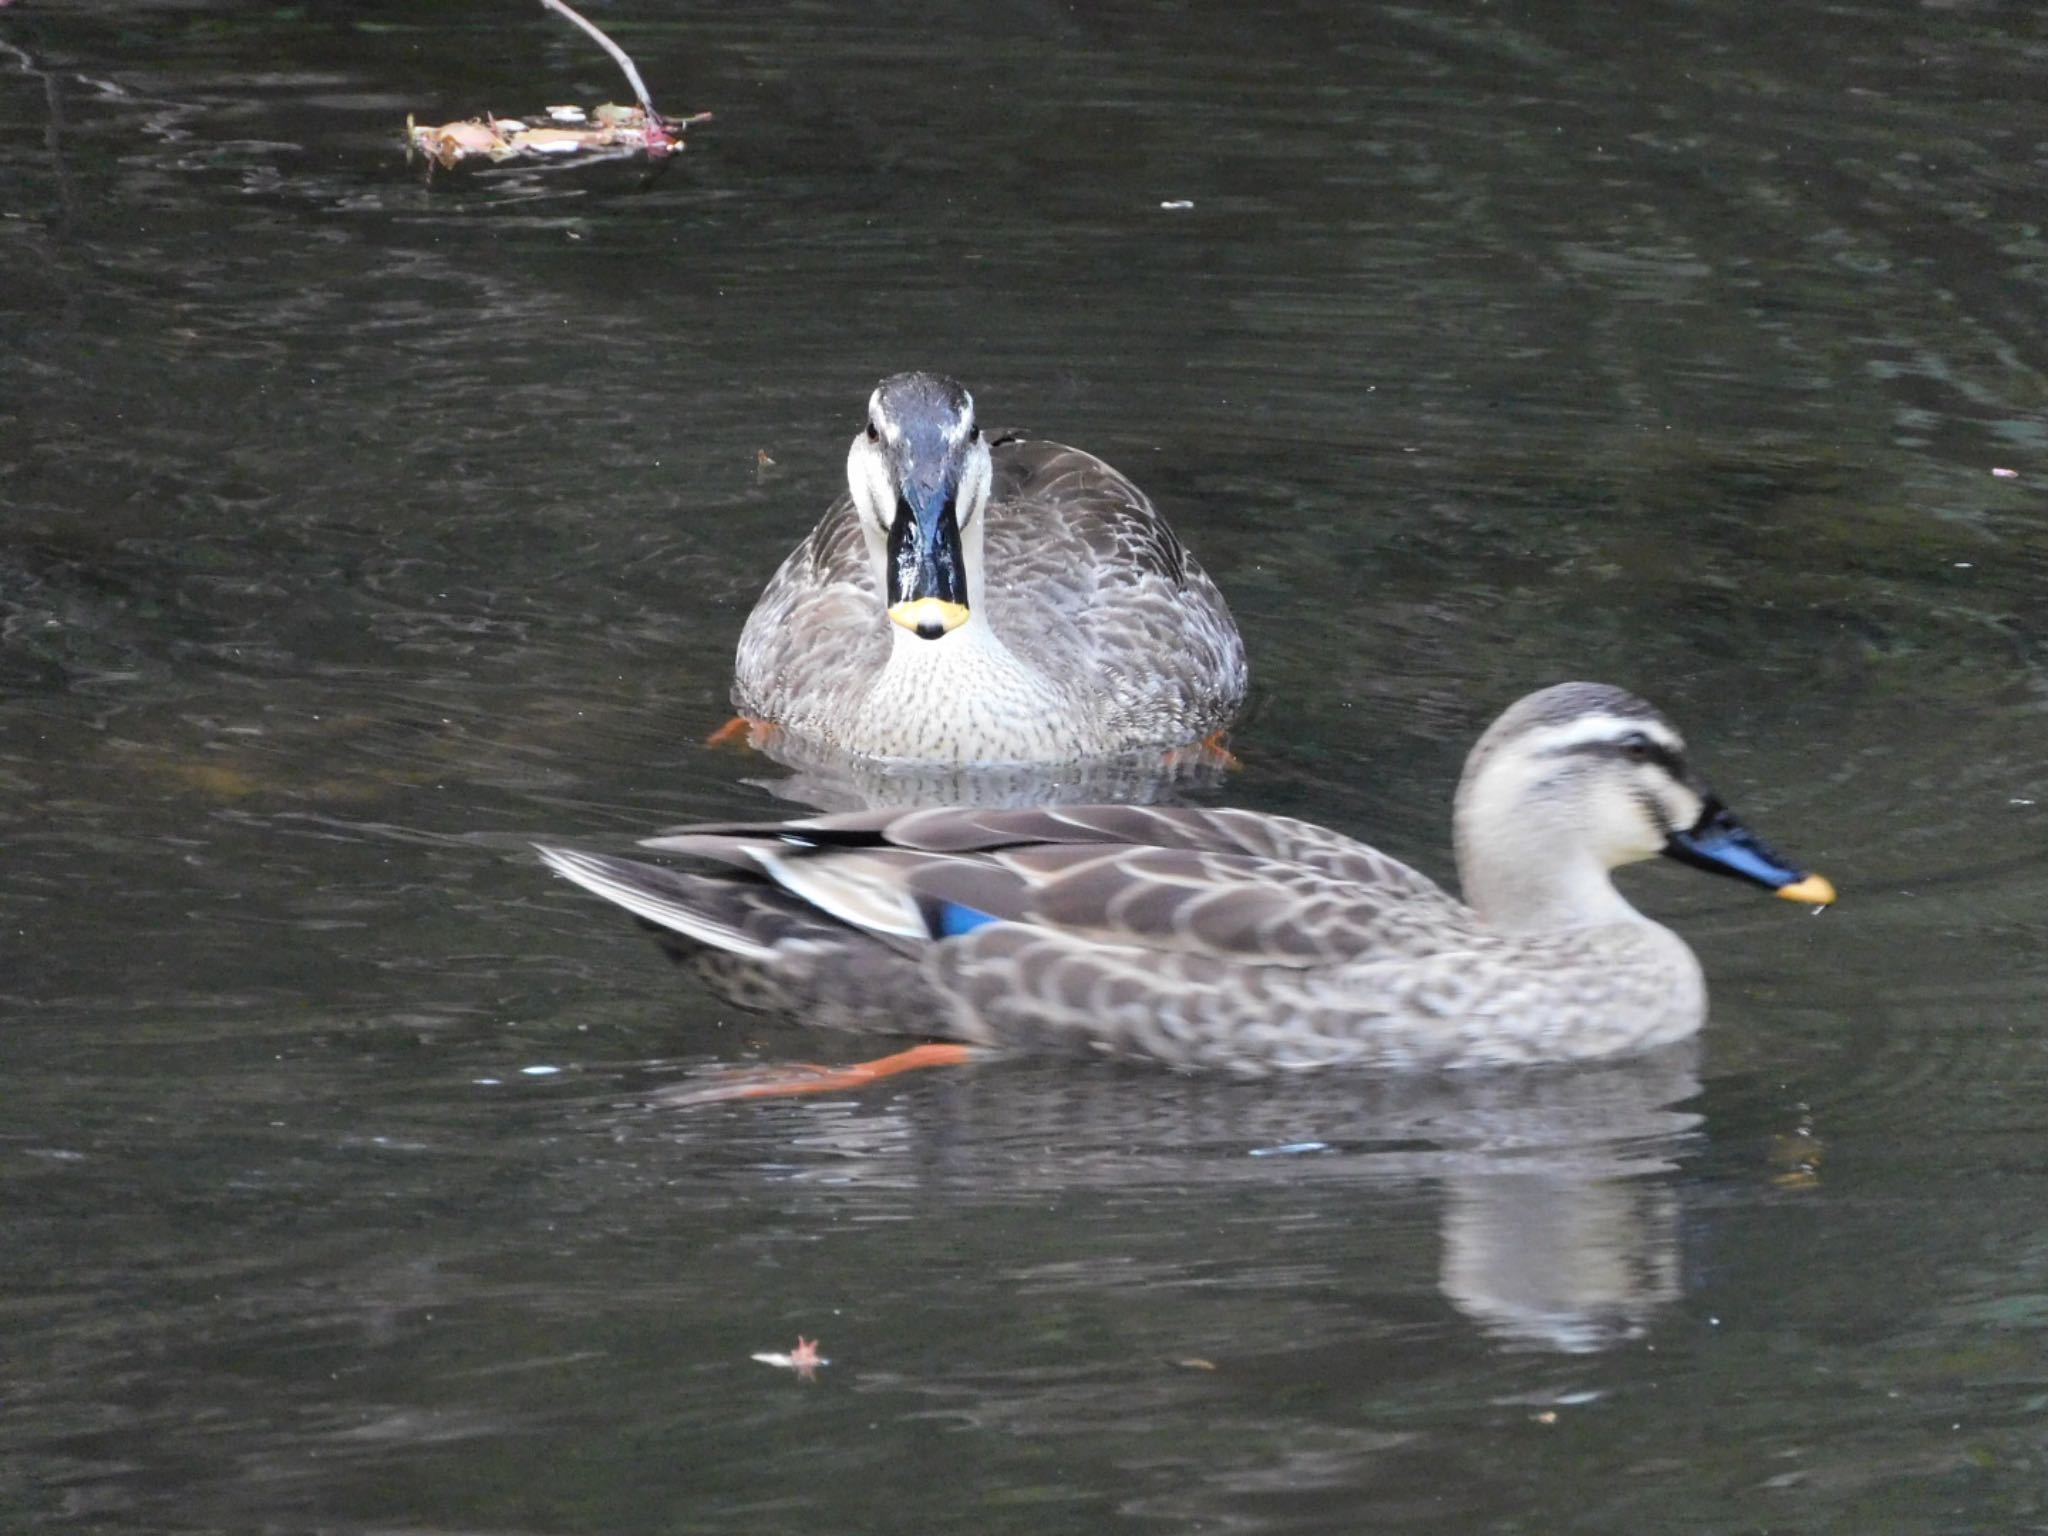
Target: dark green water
(355, 529)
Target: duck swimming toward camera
(971, 601)
(1230, 939)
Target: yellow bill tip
(929, 617)
(1813, 891)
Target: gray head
(919, 475)
(1576, 780)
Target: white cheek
(974, 485)
(1682, 806)
(1627, 827)
(867, 479)
(1630, 832)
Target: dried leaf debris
(610, 129)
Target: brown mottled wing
(1261, 889)
(1240, 907)
(1087, 580)
(972, 829)
(816, 631)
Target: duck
(980, 599)
(1230, 939)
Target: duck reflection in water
(1556, 1206)
(826, 779)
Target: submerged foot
(741, 731)
(1212, 751)
(793, 1078)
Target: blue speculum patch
(956, 918)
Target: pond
(359, 526)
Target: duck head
(919, 474)
(1577, 780)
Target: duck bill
(927, 575)
(1721, 845)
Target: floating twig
(619, 55)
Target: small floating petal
(804, 1359)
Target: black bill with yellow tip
(927, 574)
(1721, 845)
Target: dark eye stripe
(1666, 759)
(1651, 752)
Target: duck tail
(714, 913)
(766, 948)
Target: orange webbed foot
(1212, 751)
(741, 731)
(797, 1078)
(1215, 748)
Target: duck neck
(1531, 893)
(1528, 846)
(967, 692)
(974, 650)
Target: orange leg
(740, 731)
(1216, 748)
(802, 1077)
(1212, 751)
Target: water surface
(360, 526)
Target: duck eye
(873, 434)
(1637, 749)
(974, 435)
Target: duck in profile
(1229, 939)
(1000, 602)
